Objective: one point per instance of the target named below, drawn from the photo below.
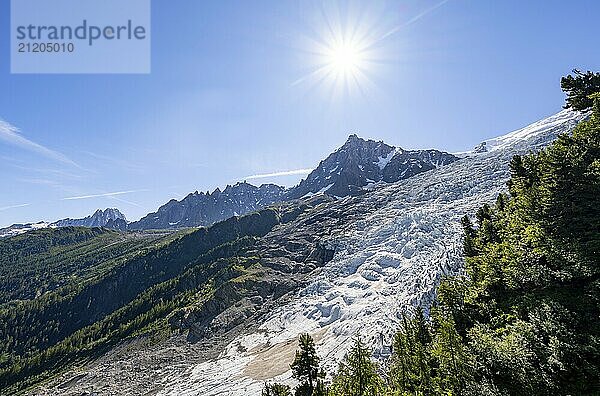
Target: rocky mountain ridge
(100, 218)
(17, 229)
(356, 167)
(352, 169)
(109, 217)
(202, 209)
(391, 248)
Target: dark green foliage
(545, 294)
(469, 234)
(357, 374)
(428, 357)
(276, 390)
(525, 319)
(55, 316)
(149, 311)
(579, 88)
(410, 363)
(39, 241)
(43, 260)
(138, 289)
(453, 363)
(306, 370)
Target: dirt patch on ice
(273, 360)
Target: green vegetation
(428, 358)
(525, 318)
(55, 314)
(305, 369)
(44, 260)
(357, 374)
(150, 311)
(579, 88)
(141, 286)
(527, 314)
(276, 390)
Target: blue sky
(231, 95)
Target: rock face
(360, 164)
(100, 218)
(480, 148)
(202, 209)
(355, 167)
(117, 224)
(110, 218)
(265, 270)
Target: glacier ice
(385, 264)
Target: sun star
(344, 59)
(344, 51)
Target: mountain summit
(356, 167)
(360, 163)
(353, 168)
(100, 218)
(239, 292)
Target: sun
(342, 50)
(349, 49)
(342, 63)
(345, 59)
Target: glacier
(385, 264)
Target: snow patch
(383, 161)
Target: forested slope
(144, 288)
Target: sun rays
(350, 45)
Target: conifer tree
(276, 390)
(453, 363)
(469, 235)
(305, 369)
(524, 318)
(411, 365)
(357, 374)
(531, 293)
(579, 88)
